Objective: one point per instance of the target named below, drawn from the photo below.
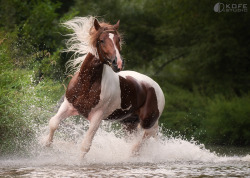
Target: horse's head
(108, 45)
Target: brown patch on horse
(149, 112)
(132, 97)
(138, 104)
(129, 91)
(84, 89)
(130, 123)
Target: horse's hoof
(48, 144)
(83, 155)
(135, 153)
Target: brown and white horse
(99, 90)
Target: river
(110, 157)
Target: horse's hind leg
(66, 109)
(130, 124)
(152, 132)
(146, 133)
(149, 115)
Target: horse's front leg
(66, 109)
(95, 121)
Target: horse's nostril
(115, 61)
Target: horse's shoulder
(73, 81)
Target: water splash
(110, 146)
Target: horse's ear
(116, 26)
(97, 25)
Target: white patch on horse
(110, 97)
(119, 60)
(110, 100)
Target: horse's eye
(101, 41)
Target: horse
(101, 90)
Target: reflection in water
(110, 156)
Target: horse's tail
(79, 42)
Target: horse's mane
(82, 41)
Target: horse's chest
(88, 100)
(84, 95)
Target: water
(110, 156)
(168, 169)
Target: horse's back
(145, 79)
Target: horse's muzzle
(115, 65)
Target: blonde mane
(82, 41)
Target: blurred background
(199, 57)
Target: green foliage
(216, 120)
(24, 102)
(22, 105)
(227, 121)
(200, 59)
(184, 112)
(37, 25)
(11, 122)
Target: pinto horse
(99, 90)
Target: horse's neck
(94, 72)
(91, 69)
